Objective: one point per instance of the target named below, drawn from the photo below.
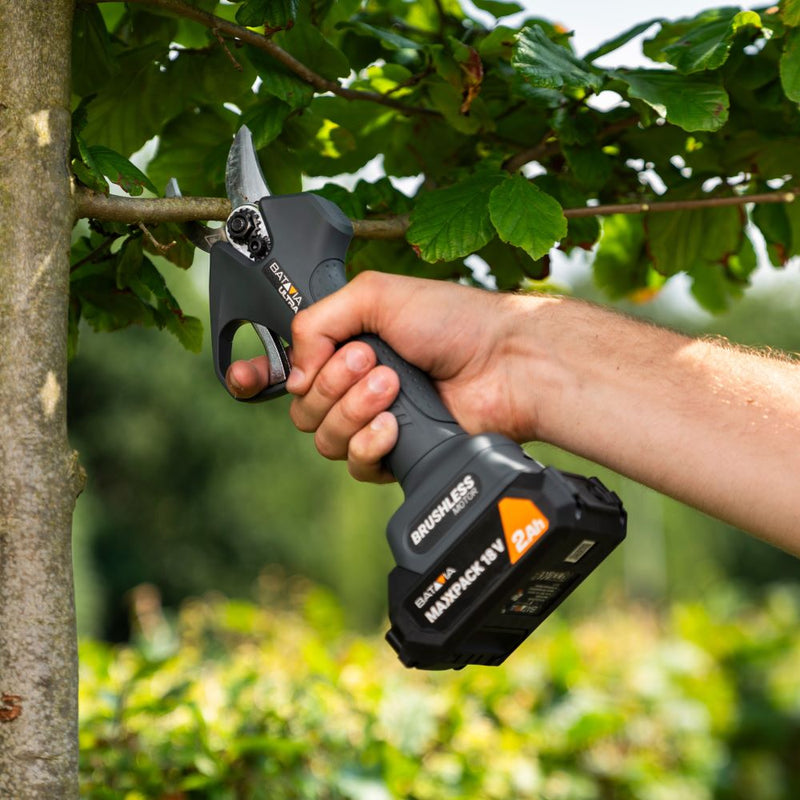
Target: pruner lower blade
(199, 235)
(244, 180)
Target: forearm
(711, 425)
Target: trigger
(278, 360)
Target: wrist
(534, 326)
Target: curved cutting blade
(244, 180)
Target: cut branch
(190, 209)
(219, 26)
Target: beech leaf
(527, 217)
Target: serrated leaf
(547, 65)
(790, 66)
(619, 41)
(702, 42)
(272, 13)
(119, 170)
(526, 217)
(451, 223)
(693, 102)
(187, 330)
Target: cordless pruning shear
(488, 542)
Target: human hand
(464, 338)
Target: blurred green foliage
(239, 701)
(193, 492)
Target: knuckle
(325, 447)
(299, 417)
(301, 324)
(326, 387)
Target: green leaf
(272, 13)
(188, 330)
(193, 148)
(510, 265)
(447, 100)
(702, 42)
(388, 38)
(451, 223)
(126, 124)
(790, 12)
(498, 8)
(347, 201)
(589, 164)
(773, 222)
(619, 41)
(694, 103)
(712, 289)
(619, 266)
(678, 241)
(93, 61)
(547, 65)
(790, 66)
(307, 44)
(129, 262)
(278, 81)
(526, 217)
(119, 170)
(265, 120)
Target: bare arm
(714, 426)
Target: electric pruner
(487, 542)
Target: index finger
(318, 330)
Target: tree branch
(190, 209)
(219, 26)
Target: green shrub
(277, 701)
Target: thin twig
(224, 45)
(162, 248)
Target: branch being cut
(189, 209)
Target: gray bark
(39, 475)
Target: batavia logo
(435, 587)
(286, 289)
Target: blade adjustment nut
(241, 225)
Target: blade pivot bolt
(241, 225)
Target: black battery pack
(482, 565)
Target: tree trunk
(39, 475)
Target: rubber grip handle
(423, 421)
